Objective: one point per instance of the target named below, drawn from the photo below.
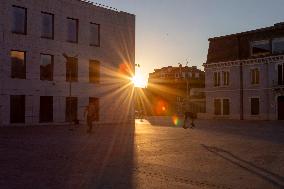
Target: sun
(139, 81)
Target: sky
(169, 32)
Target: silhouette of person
(189, 115)
(90, 115)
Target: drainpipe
(241, 82)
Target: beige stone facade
(116, 47)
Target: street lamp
(70, 58)
(187, 83)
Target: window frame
(68, 77)
(52, 71)
(77, 30)
(95, 80)
(251, 109)
(42, 110)
(99, 35)
(255, 79)
(26, 20)
(51, 14)
(218, 78)
(25, 64)
(226, 78)
(260, 42)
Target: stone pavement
(217, 154)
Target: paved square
(216, 154)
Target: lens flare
(176, 120)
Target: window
(255, 76)
(260, 48)
(72, 30)
(47, 25)
(19, 24)
(217, 107)
(71, 109)
(72, 69)
(46, 67)
(278, 45)
(176, 75)
(217, 77)
(94, 34)
(18, 67)
(46, 109)
(226, 107)
(196, 75)
(226, 78)
(95, 101)
(17, 109)
(254, 104)
(94, 71)
(280, 69)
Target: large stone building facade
(244, 75)
(57, 56)
(174, 90)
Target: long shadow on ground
(54, 157)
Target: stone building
(58, 55)
(172, 90)
(244, 75)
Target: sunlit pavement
(216, 154)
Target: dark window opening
(17, 109)
(255, 76)
(280, 74)
(226, 107)
(72, 30)
(47, 25)
(46, 109)
(217, 78)
(46, 67)
(72, 69)
(18, 67)
(260, 48)
(19, 24)
(217, 107)
(278, 46)
(95, 101)
(71, 109)
(94, 71)
(254, 106)
(94, 34)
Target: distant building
(173, 90)
(59, 55)
(245, 75)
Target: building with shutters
(245, 75)
(57, 56)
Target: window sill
(92, 45)
(19, 33)
(50, 38)
(74, 42)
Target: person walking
(187, 116)
(90, 115)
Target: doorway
(95, 101)
(280, 102)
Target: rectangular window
(47, 25)
(46, 67)
(226, 78)
(71, 109)
(17, 109)
(254, 106)
(19, 24)
(260, 48)
(94, 71)
(226, 107)
(46, 109)
(95, 101)
(72, 30)
(280, 69)
(94, 34)
(18, 64)
(217, 107)
(72, 69)
(217, 78)
(255, 76)
(278, 45)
